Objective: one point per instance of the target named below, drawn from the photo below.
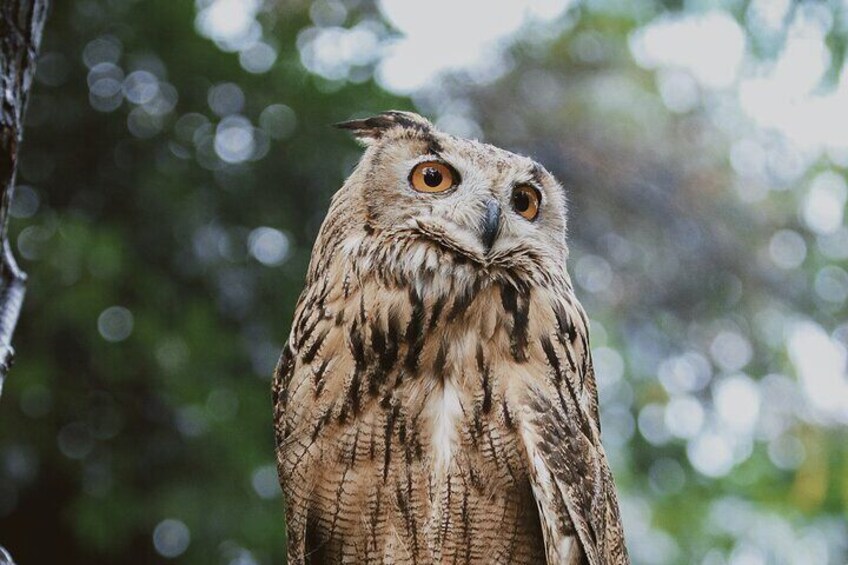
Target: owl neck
(414, 286)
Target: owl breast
(398, 438)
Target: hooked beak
(490, 225)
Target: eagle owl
(435, 401)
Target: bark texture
(21, 26)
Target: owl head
(496, 210)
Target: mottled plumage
(436, 401)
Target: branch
(21, 26)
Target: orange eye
(525, 201)
(432, 176)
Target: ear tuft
(369, 130)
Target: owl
(436, 401)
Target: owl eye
(525, 201)
(432, 176)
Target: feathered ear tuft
(368, 130)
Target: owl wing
(571, 480)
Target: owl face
(491, 206)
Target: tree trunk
(21, 24)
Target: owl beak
(491, 222)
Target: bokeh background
(176, 166)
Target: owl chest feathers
(437, 364)
(400, 415)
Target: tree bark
(21, 26)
